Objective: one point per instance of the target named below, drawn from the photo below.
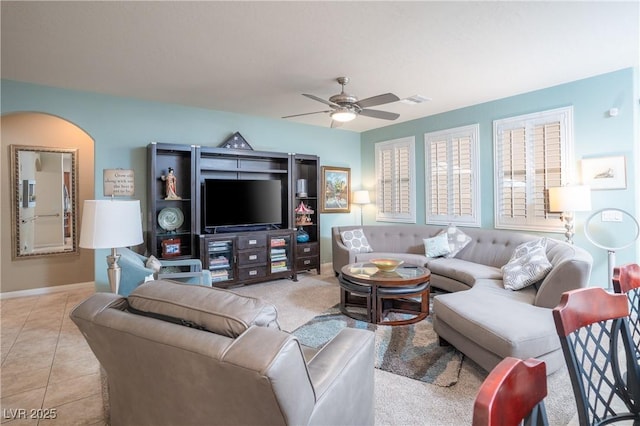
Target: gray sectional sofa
(476, 313)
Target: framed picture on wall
(604, 172)
(336, 190)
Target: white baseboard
(47, 290)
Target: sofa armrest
(194, 264)
(351, 347)
(195, 271)
(341, 255)
(86, 311)
(275, 367)
(202, 277)
(570, 273)
(342, 373)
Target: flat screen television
(229, 203)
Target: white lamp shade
(570, 198)
(361, 197)
(110, 224)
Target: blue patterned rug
(407, 350)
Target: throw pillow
(153, 263)
(437, 246)
(457, 240)
(528, 265)
(356, 241)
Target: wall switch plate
(611, 216)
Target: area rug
(407, 350)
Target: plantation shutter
(439, 179)
(396, 180)
(531, 156)
(452, 176)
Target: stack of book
(219, 245)
(219, 262)
(219, 275)
(279, 266)
(278, 242)
(219, 268)
(278, 259)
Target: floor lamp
(569, 199)
(111, 224)
(361, 198)
(611, 229)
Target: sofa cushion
(463, 270)
(437, 246)
(216, 310)
(356, 241)
(457, 240)
(528, 265)
(519, 330)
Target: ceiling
(257, 58)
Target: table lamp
(361, 198)
(569, 199)
(111, 224)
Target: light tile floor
(47, 369)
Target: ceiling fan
(346, 107)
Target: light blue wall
(122, 128)
(595, 134)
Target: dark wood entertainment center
(241, 254)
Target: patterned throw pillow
(153, 263)
(356, 241)
(457, 240)
(528, 265)
(437, 246)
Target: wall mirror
(44, 204)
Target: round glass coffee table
(369, 294)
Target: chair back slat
(593, 328)
(513, 392)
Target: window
(452, 176)
(531, 155)
(396, 180)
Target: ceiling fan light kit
(343, 115)
(346, 107)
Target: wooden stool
(397, 299)
(357, 296)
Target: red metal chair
(593, 328)
(513, 392)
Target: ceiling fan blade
(378, 100)
(315, 98)
(306, 113)
(374, 113)
(335, 124)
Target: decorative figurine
(303, 214)
(170, 185)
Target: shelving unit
(181, 158)
(237, 257)
(307, 252)
(220, 259)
